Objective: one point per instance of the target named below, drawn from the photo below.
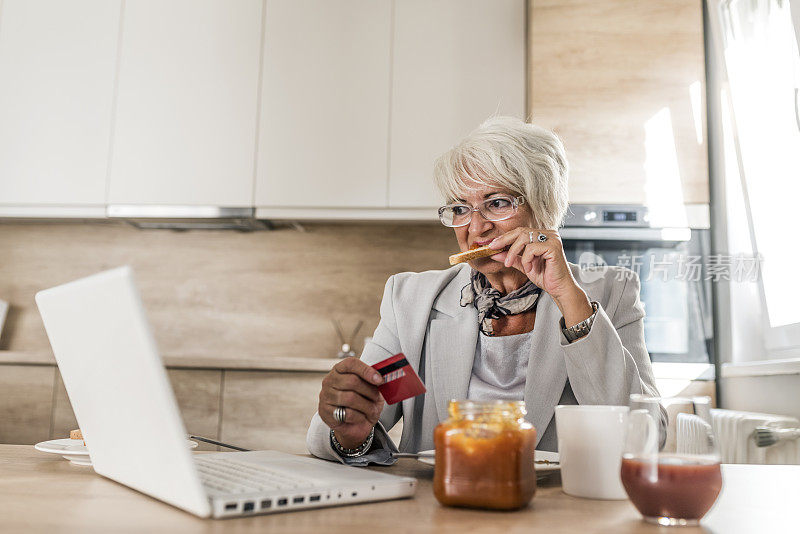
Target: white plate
(540, 456)
(74, 450)
(547, 456)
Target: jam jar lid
(471, 409)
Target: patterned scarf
(492, 305)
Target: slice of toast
(474, 254)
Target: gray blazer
(421, 317)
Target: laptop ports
(249, 506)
(231, 506)
(266, 503)
(314, 498)
(298, 500)
(283, 501)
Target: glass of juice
(670, 461)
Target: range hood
(181, 217)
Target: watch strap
(582, 328)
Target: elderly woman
(523, 324)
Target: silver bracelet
(352, 453)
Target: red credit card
(400, 381)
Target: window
(762, 63)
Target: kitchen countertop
(684, 371)
(44, 493)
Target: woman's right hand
(353, 385)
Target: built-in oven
(671, 258)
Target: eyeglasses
(497, 208)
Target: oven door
(675, 289)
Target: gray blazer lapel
(547, 372)
(452, 351)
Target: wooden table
(42, 492)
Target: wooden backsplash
(216, 293)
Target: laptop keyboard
(225, 475)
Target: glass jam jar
(485, 456)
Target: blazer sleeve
(611, 361)
(384, 343)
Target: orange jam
(485, 456)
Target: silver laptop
(131, 424)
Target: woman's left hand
(544, 263)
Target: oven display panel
(619, 216)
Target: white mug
(590, 442)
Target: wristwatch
(355, 452)
(582, 328)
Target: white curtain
(760, 52)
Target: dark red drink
(676, 487)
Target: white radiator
(734, 431)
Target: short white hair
(509, 153)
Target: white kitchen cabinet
(185, 124)
(57, 62)
(456, 63)
(324, 121)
